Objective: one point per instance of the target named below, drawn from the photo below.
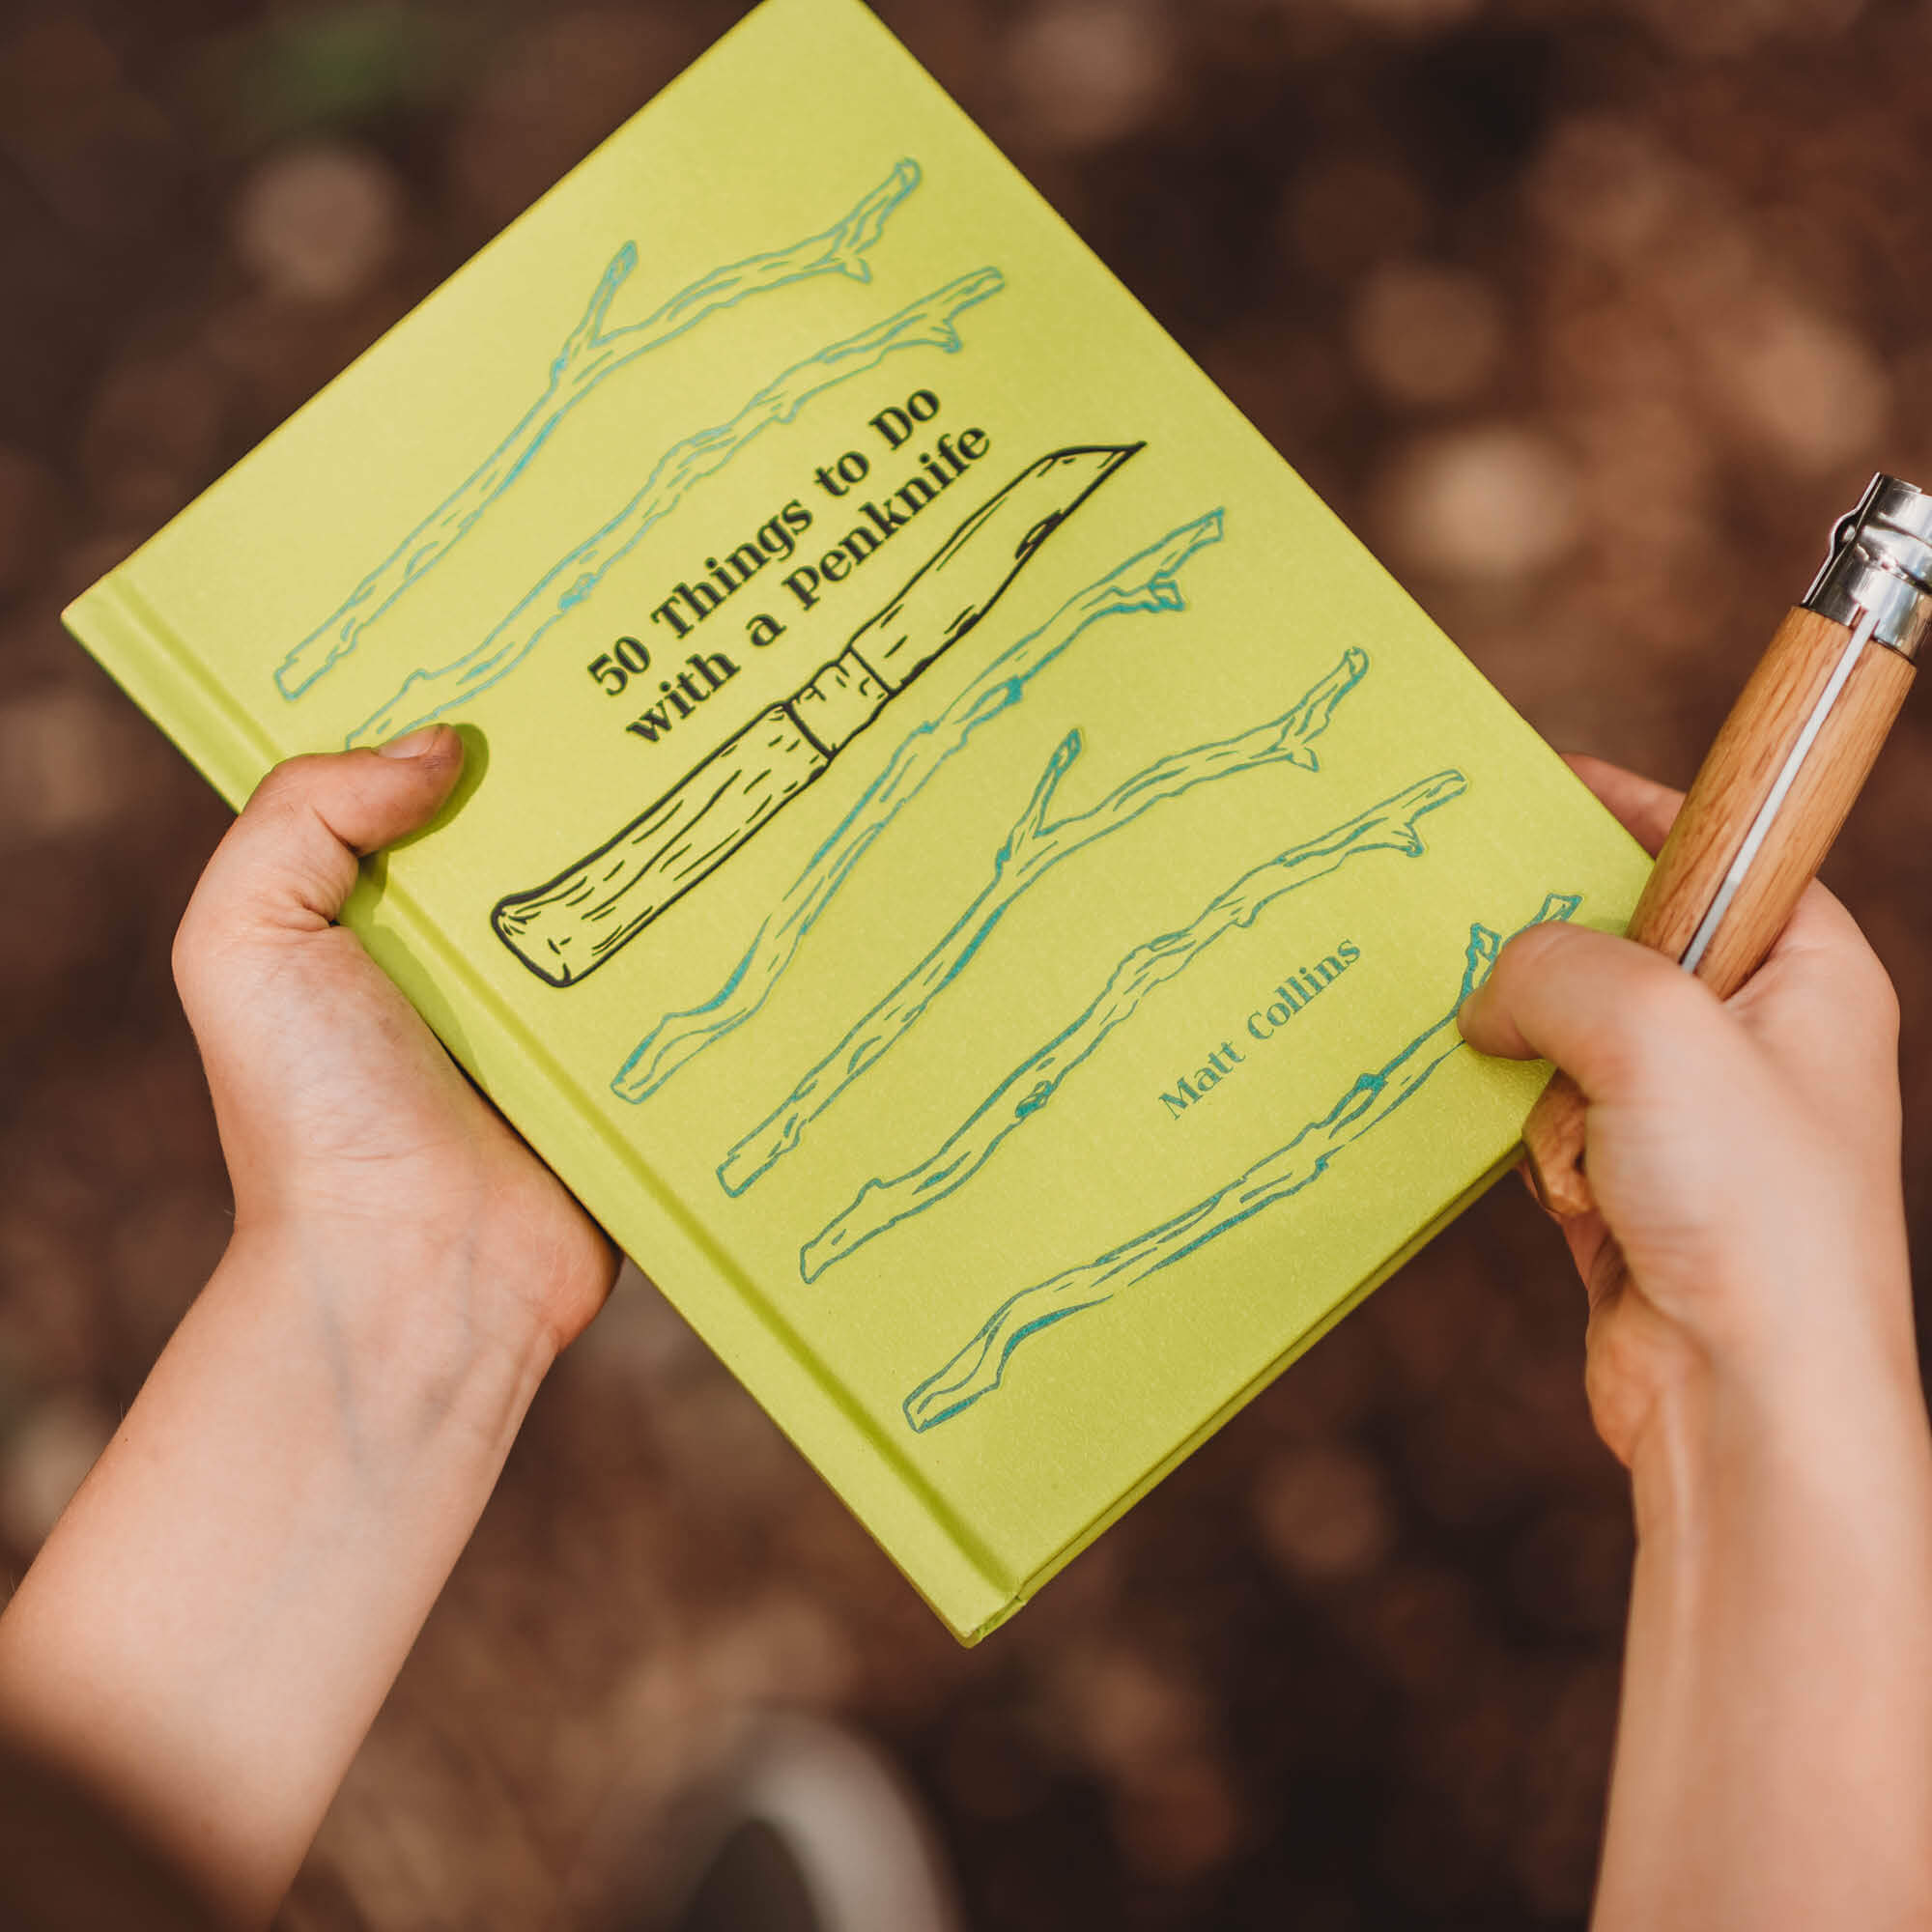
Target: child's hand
(349, 1134)
(1744, 1156)
(206, 1635)
(1751, 1359)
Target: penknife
(1778, 783)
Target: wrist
(1818, 1438)
(421, 1339)
(214, 1621)
(1779, 1657)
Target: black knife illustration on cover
(570, 925)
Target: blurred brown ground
(1590, 317)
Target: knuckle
(1535, 951)
(1541, 941)
(1630, 1014)
(284, 788)
(1874, 996)
(188, 959)
(181, 955)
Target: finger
(1821, 988)
(1621, 1020)
(1822, 940)
(1820, 936)
(1645, 809)
(1823, 1009)
(288, 860)
(1597, 1257)
(1822, 945)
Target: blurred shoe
(810, 1830)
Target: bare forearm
(1773, 1761)
(214, 1624)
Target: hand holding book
(846, 303)
(348, 1127)
(253, 1554)
(306, 1461)
(214, 1625)
(1744, 1155)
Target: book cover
(964, 865)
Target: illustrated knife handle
(568, 927)
(563, 928)
(1684, 904)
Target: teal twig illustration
(1143, 581)
(1387, 826)
(590, 356)
(930, 322)
(1031, 849)
(568, 927)
(978, 1369)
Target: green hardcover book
(968, 868)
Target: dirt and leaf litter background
(1590, 317)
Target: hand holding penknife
(1776, 786)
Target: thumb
(1624, 1023)
(288, 860)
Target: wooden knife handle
(1723, 802)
